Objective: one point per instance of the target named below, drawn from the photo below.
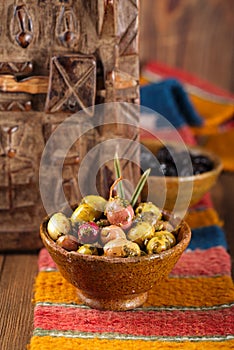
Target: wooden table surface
(18, 272)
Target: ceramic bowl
(115, 283)
(164, 189)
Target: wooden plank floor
(16, 322)
(18, 272)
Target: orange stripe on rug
(200, 218)
(199, 291)
(48, 343)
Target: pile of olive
(112, 228)
(172, 162)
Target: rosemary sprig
(139, 187)
(118, 175)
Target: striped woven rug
(192, 309)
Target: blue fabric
(169, 99)
(207, 237)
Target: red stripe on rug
(187, 135)
(209, 262)
(139, 323)
(168, 134)
(185, 77)
(205, 202)
(45, 261)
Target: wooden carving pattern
(22, 26)
(127, 13)
(96, 10)
(67, 27)
(14, 105)
(16, 68)
(31, 85)
(17, 165)
(71, 163)
(72, 84)
(127, 26)
(58, 57)
(12, 102)
(11, 135)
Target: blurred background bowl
(177, 193)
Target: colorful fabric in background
(169, 99)
(174, 115)
(192, 309)
(214, 105)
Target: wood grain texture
(10, 102)
(16, 68)
(194, 35)
(20, 241)
(32, 85)
(16, 322)
(1, 264)
(222, 195)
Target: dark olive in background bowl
(162, 189)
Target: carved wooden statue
(57, 58)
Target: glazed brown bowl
(175, 193)
(116, 283)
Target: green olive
(84, 212)
(58, 225)
(131, 249)
(164, 236)
(140, 232)
(149, 207)
(170, 237)
(157, 245)
(147, 216)
(121, 247)
(98, 203)
(163, 225)
(88, 249)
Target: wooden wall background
(196, 35)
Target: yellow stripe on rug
(48, 343)
(213, 112)
(200, 291)
(201, 218)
